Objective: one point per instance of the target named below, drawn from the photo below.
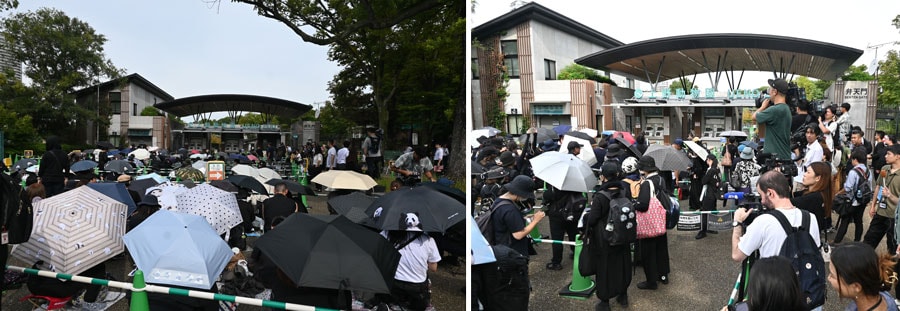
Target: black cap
(573, 145)
(780, 85)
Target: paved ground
(702, 278)
(447, 282)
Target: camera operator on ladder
(776, 115)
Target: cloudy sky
(856, 24)
(191, 47)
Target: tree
(889, 83)
(896, 21)
(149, 111)
(676, 84)
(61, 54)
(17, 129)
(813, 92)
(8, 4)
(325, 23)
(857, 73)
(576, 71)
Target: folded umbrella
(220, 208)
(116, 191)
(434, 211)
(331, 252)
(564, 171)
(667, 158)
(118, 166)
(247, 182)
(75, 231)
(178, 249)
(345, 180)
(83, 165)
(697, 149)
(292, 186)
(353, 206)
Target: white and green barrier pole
(581, 287)
(707, 212)
(139, 301)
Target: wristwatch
(736, 224)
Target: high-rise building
(7, 61)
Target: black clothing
(507, 219)
(878, 154)
(710, 181)
(857, 218)
(613, 262)
(278, 205)
(698, 169)
(799, 120)
(654, 252)
(559, 228)
(814, 203)
(879, 227)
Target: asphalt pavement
(447, 283)
(703, 276)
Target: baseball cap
(573, 145)
(780, 85)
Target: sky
(856, 24)
(192, 47)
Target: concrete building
(122, 101)
(535, 43)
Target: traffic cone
(581, 287)
(139, 300)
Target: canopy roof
(668, 58)
(233, 102)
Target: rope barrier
(706, 212)
(139, 287)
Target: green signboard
(549, 109)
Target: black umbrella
(436, 211)
(581, 135)
(23, 164)
(353, 206)
(330, 251)
(105, 145)
(118, 166)
(629, 147)
(450, 191)
(248, 183)
(224, 185)
(141, 185)
(293, 186)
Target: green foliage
(896, 21)
(8, 4)
(526, 124)
(61, 54)
(334, 125)
(857, 73)
(889, 83)
(676, 84)
(149, 111)
(576, 71)
(813, 92)
(497, 118)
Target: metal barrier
(139, 291)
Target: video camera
(752, 202)
(792, 97)
(770, 162)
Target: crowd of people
(809, 173)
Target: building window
(510, 51)
(514, 123)
(134, 112)
(115, 102)
(549, 69)
(475, 68)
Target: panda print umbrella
(220, 208)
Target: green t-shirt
(777, 119)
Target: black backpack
(513, 288)
(621, 224)
(800, 248)
(570, 206)
(863, 191)
(486, 225)
(374, 144)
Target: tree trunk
(457, 169)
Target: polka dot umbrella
(220, 208)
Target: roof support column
(654, 83)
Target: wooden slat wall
(582, 107)
(526, 72)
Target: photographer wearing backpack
(857, 179)
(768, 234)
(372, 151)
(884, 202)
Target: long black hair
(774, 286)
(858, 263)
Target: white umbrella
(589, 131)
(266, 174)
(246, 170)
(492, 131)
(166, 193)
(697, 149)
(345, 180)
(587, 153)
(564, 171)
(732, 134)
(218, 206)
(75, 231)
(153, 148)
(140, 154)
(474, 135)
(198, 156)
(200, 165)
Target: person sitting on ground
(858, 273)
(773, 286)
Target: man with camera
(776, 115)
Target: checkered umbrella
(218, 206)
(75, 231)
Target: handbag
(586, 264)
(652, 223)
(726, 158)
(842, 205)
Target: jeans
(559, 227)
(878, 228)
(856, 217)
